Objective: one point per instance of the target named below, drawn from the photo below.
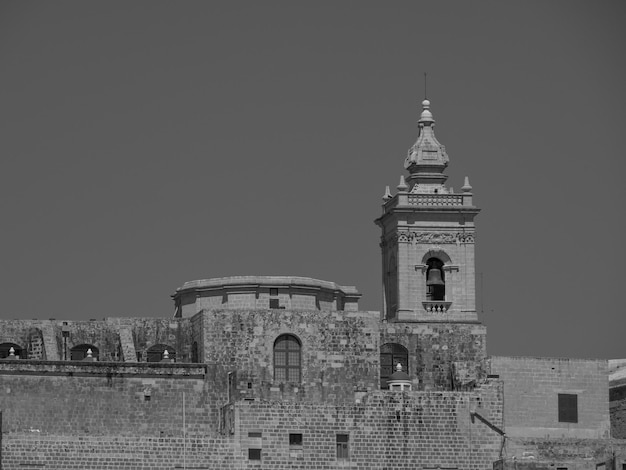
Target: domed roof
(399, 375)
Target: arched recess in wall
(78, 353)
(287, 359)
(156, 353)
(390, 355)
(5, 348)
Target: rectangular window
(254, 454)
(273, 292)
(295, 440)
(568, 408)
(274, 303)
(342, 447)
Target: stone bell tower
(428, 239)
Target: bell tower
(427, 239)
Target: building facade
(288, 373)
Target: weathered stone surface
(532, 386)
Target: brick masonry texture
(26, 451)
(570, 453)
(532, 386)
(387, 430)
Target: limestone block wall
(31, 450)
(117, 339)
(563, 453)
(434, 347)
(387, 430)
(531, 389)
(29, 334)
(339, 352)
(98, 398)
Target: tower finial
(425, 95)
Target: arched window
(287, 359)
(390, 355)
(435, 282)
(5, 349)
(78, 353)
(156, 353)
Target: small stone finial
(426, 115)
(89, 356)
(11, 351)
(166, 354)
(399, 367)
(402, 187)
(466, 185)
(387, 194)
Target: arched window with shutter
(390, 355)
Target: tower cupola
(427, 158)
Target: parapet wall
(117, 339)
(263, 292)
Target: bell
(434, 278)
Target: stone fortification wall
(339, 352)
(568, 453)
(117, 339)
(434, 348)
(86, 399)
(387, 430)
(531, 389)
(28, 451)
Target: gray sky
(144, 144)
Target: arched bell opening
(435, 280)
